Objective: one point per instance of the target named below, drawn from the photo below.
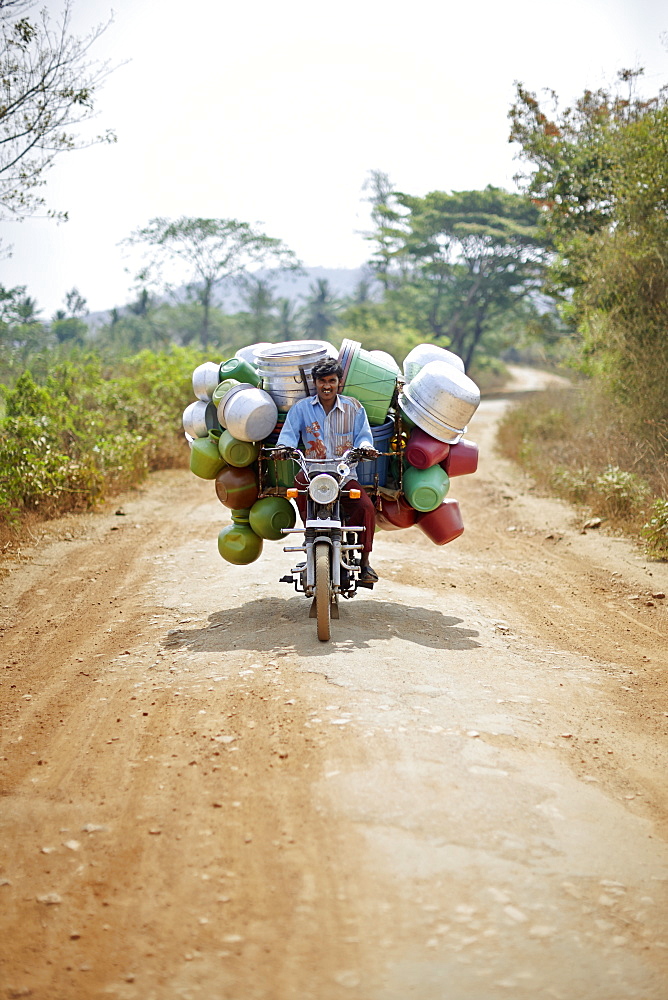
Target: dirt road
(462, 796)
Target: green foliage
(321, 310)
(43, 459)
(575, 484)
(22, 333)
(89, 429)
(619, 491)
(455, 264)
(600, 177)
(655, 531)
(70, 330)
(380, 326)
(258, 297)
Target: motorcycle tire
(323, 594)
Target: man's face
(327, 387)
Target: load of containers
(418, 420)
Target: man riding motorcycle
(330, 424)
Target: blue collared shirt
(327, 436)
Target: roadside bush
(572, 483)
(575, 442)
(620, 493)
(90, 428)
(655, 531)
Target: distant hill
(342, 281)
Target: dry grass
(577, 444)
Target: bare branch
(48, 83)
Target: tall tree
(143, 304)
(212, 250)
(48, 84)
(257, 296)
(599, 172)
(457, 261)
(68, 324)
(384, 215)
(287, 320)
(574, 166)
(321, 310)
(21, 330)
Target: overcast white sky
(275, 113)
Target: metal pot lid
(242, 387)
(454, 391)
(291, 349)
(249, 353)
(439, 430)
(444, 376)
(421, 403)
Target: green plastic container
(372, 381)
(269, 515)
(238, 453)
(238, 543)
(242, 371)
(425, 489)
(205, 458)
(222, 389)
(280, 473)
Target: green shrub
(90, 428)
(619, 492)
(655, 531)
(573, 484)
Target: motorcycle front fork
(343, 553)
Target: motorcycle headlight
(323, 488)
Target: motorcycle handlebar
(348, 457)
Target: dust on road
(462, 795)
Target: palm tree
(257, 296)
(288, 318)
(320, 310)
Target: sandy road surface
(462, 796)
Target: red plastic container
(423, 451)
(443, 524)
(462, 460)
(237, 487)
(396, 514)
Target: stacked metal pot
(418, 421)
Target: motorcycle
(332, 565)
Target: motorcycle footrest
(287, 579)
(365, 583)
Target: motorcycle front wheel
(323, 594)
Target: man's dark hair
(330, 366)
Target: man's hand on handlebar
(368, 453)
(280, 454)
